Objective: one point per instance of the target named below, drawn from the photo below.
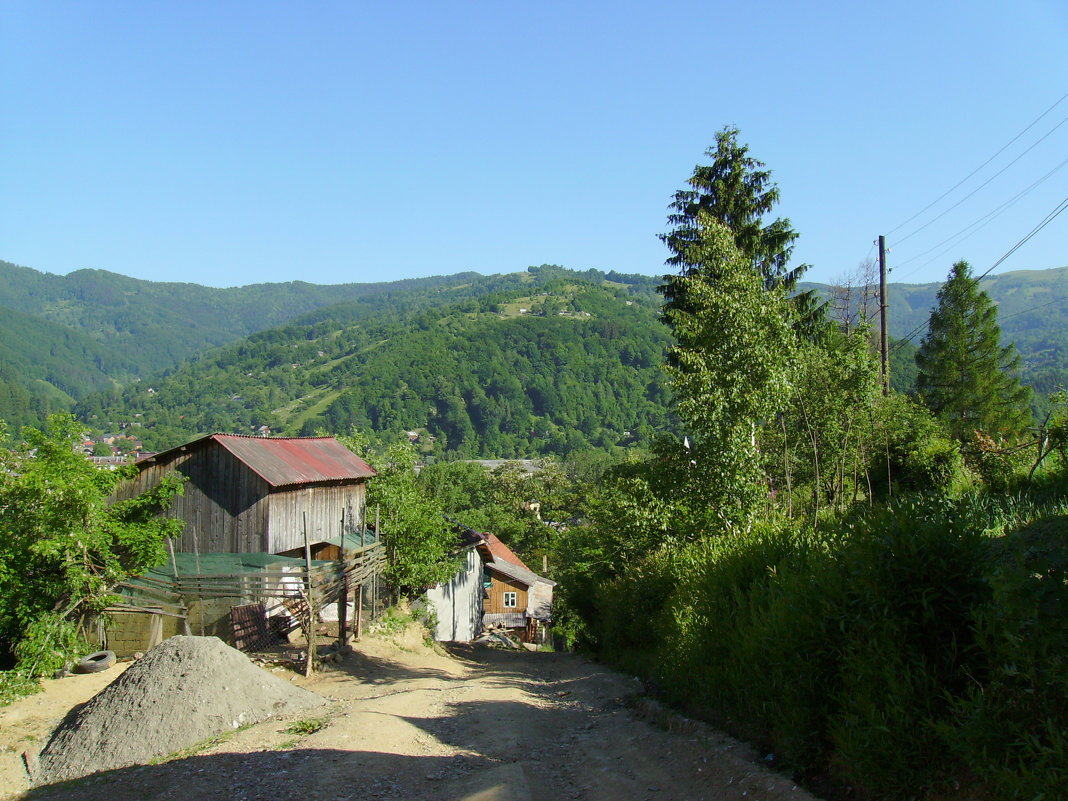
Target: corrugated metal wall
(458, 603)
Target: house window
(509, 600)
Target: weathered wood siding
(501, 585)
(224, 505)
(323, 506)
(230, 509)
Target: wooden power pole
(884, 335)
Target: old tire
(95, 662)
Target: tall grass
(911, 647)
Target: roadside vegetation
(871, 586)
(63, 548)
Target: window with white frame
(510, 600)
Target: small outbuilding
(261, 494)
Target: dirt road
(410, 722)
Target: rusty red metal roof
(501, 552)
(284, 461)
(287, 461)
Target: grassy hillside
(540, 362)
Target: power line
(1049, 218)
(973, 172)
(982, 185)
(980, 223)
(1057, 211)
(1033, 308)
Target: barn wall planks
(229, 509)
(323, 506)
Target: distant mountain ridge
(547, 361)
(296, 356)
(159, 324)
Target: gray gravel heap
(183, 691)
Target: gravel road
(409, 722)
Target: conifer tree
(966, 376)
(735, 191)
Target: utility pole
(884, 336)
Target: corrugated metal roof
(508, 564)
(286, 461)
(283, 461)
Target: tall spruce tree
(966, 376)
(736, 191)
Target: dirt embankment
(408, 722)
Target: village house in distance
(493, 589)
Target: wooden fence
(303, 588)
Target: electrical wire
(1057, 211)
(1033, 308)
(978, 224)
(1032, 124)
(982, 185)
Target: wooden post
(196, 558)
(343, 613)
(313, 651)
(343, 593)
(174, 568)
(359, 612)
(884, 332)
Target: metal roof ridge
(256, 436)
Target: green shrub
(1009, 725)
(914, 644)
(914, 451)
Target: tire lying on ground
(182, 692)
(95, 662)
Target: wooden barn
(257, 494)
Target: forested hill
(1032, 313)
(156, 325)
(358, 354)
(45, 367)
(546, 361)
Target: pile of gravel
(183, 691)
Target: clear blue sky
(239, 142)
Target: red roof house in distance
(258, 494)
(516, 597)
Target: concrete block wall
(126, 633)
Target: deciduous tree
(729, 368)
(63, 545)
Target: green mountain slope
(158, 324)
(1032, 313)
(540, 362)
(45, 367)
(407, 355)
